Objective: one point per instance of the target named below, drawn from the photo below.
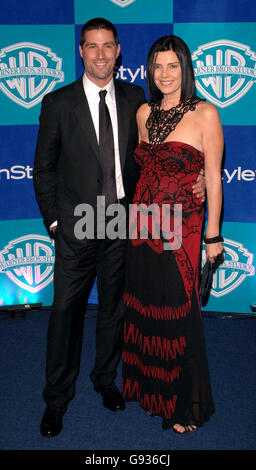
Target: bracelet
(217, 239)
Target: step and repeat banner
(39, 53)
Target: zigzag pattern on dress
(153, 403)
(165, 348)
(156, 312)
(159, 373)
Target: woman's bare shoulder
(143, 111)
(206, 110)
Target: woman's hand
(213, 250)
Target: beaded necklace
(161, 122)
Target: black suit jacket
(67, 169)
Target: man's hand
(53, 226)
(199, 186)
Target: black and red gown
(165, 365)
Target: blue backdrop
(39, 53)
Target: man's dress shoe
(112, 398)
(51, 423)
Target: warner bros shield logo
(29, 262)
(123, 3)
(234, 270)
(224, 70)
(28, 71)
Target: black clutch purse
(206, 279)
(207, 274)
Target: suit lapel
(122, 106)
(82, 112)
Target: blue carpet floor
(88, 425)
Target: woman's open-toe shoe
(187, 428)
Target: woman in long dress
(165, 365)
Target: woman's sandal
(187, 428)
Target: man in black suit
(68, 171)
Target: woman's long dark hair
(177, 45)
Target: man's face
(99, 53)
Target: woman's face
(167, 73)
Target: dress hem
(169, 423)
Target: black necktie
(106, 150)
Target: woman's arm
(213, 144)
(141, 117)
